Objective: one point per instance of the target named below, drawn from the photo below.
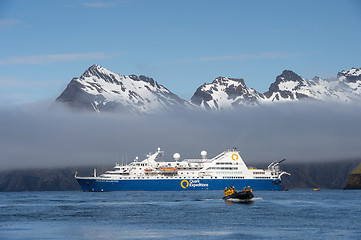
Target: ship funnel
(176, 156)
(204, 154)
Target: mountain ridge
(101, 90)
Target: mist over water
(32, 136)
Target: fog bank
(32, 136)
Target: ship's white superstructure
(227, 165)
(154, 174)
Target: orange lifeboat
(148, 170)
(169, 169)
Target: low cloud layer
(32, 138)
(55, 58)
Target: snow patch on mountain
(352, 79)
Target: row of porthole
(163, 177)
(222, 168)
(150, 173)
(233, 177)
(227, 173)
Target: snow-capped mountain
(99, 89)
(287, 86)
(290, 87)
(225, 93)
(352, 79)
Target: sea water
(294, 214)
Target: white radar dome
(176, 156)
(204, 154)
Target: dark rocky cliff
(330, 175)
(354, 180)
(43, 179)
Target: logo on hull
(184, 184)
(192, 183)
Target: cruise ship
(154, 174)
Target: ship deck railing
(198, 160)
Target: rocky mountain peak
(288, 75)
(353, 75)
(316, 79)
(226, 80)
(285, 87)
(93, 70)
(145, 79)
(99, 89)
(224, 93)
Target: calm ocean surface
(294, 214)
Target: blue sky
(181, 44)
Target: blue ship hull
(102, 185)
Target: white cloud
(103, 4)
(12, 81)
(7, 23)
(54, 58)
(99, 4)
(15, 91)
(266, 55)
